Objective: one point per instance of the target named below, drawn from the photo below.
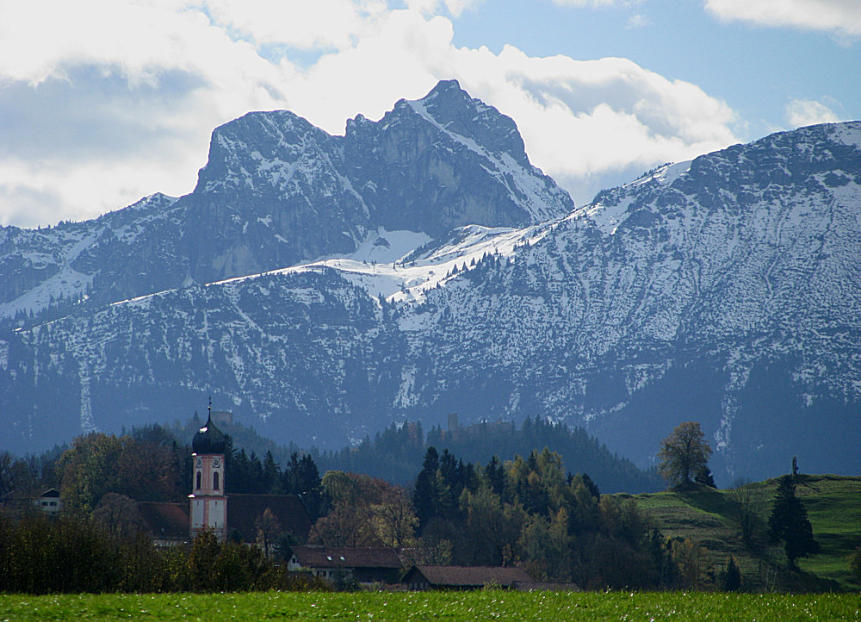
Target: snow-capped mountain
(277, 191)
(420, 265)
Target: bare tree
(749, 509)
(268, 530)
(118, 514)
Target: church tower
(208, 503)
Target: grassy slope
(710, 516)
(481, 605)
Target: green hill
(713, 519)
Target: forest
(526, 510)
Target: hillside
(711, 517)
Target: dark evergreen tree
(302, 478)
(789, 523)
(495, 474)
(704, 476)
(271, 475)
(732, 576)
(425, 496)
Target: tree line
(529, 511)
(395, 454)
(74, 553)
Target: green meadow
(480, 605)
(710, 517)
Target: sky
(103, 102)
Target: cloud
(801, 112)
(638, 21)
(332, 24)
(842, 17)
(454, 7)
(96, 113)
(592, 3)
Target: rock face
(456, 277)
(277, 191)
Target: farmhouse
(464, 577)
(363, 565)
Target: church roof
(244, 510)
(165, 520)
(209, 439)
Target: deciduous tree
(683, 453)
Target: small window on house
(198, 481)
(215, 480)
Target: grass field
(709, 516)
(481, 605)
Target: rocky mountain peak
(246, 150)
(455, 110)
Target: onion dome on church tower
(209, 439)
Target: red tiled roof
(468, 576)
(170, 520)
(244, 510)
(165, 520)
(346, 557)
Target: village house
(464, 577)
(346, 564)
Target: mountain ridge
(277, 191)
(724, 290)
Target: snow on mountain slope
(726, 290)
(57, 266)
(277, 191)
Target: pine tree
(732, 577)
(704, 476)
(425, 499)
(788, 522)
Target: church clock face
(216, 463)
(199, 463)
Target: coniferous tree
(425, 493)
(732, 576)
(788, 522)
(704, 476)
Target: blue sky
(105, 101)
(759, 69)
(756, 68)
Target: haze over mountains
(322, 287)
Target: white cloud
(587, 121)
(98, 112)
(638, 21)
(454, 7)
(839, 16)
(801, 112)
(321, 23)
(593, 3)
